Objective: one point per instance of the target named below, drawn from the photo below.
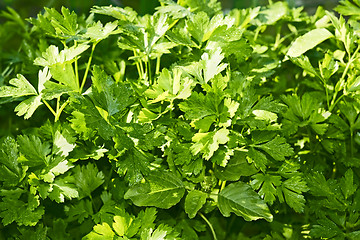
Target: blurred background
(29, 8)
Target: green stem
(59, 111)
(76, 68)
(138, 69)
(49, 107)
(351, 142)
(209, 224)
(149, 70)
(351, 59)
(157, 71)
(222, 185)
(93, 203)
(173, 24)
(138, 66)
(87, 67)
(142, 70)
(327, 95)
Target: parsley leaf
(163, 191)
(243, 201)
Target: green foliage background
(190, 123)
(28, 8)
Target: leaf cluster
(189, 123)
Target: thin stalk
(149, 70)
(57, 116)
(223, 185)
(87, 67)
(209, 224)
(173, 24)
(351, 142)
(257, 31)
(49, 107)
(142, 70)
(138, 69)
(76, 68)
(59, 111)
(93, 203)
(327, 95)
(336, 102)
(57, 106)
(157, 70)
(139, 66)
(351, 59)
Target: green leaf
(63, 187)
(277, 148)
(123, 14)
(273, 13)
(79, 211)
(162, 190)
(52, 56)
(292, 189)
(21, 87)
(267, 184)
(172, 9)
(11, 172)
(108, 95)
(210, 7)
(304, 62)
(24, 210)
(170, 86)
(208, 143)
(347, 184)
(28, 106)
(243, 201)
(57, 169)
(305, 111)
(59, 63)
(98, 32)
(318, 185)
(33, 151)
(62, 25)
(326, 229)
(63, 143)
(308, 41)
(236, 167)
(101, 231)
(88, 178)
(348, 8)
(197, 106)
(194, 201)
(353, 84)
(133, 163)
(146, 37)
(55, 90)
(87, 119)
(210, 65)
(161, 232)
(120, 225)
(343, 32)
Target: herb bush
(185, 124)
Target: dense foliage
(185, 124)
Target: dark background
(29, 8)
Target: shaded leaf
(243, 201)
